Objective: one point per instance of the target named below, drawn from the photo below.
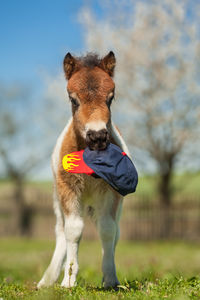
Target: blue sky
(37, 34)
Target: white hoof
(69, 282)
(41, 284)
(44, 282)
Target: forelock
(91, 60)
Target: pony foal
(91, 91)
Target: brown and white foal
(91, 90)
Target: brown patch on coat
(69, 186)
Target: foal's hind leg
(107, 222)
(53, 271)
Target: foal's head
(91, 90)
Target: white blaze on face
(95, 125)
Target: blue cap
(114, 166)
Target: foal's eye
(74, 101)
(109, 100)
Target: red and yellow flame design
(70, 162)
(74, 163)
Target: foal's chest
(96, 194)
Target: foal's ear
(70, 65)
(108, 63)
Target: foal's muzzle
(97, 140)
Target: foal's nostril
(103, 136)
(97, 140)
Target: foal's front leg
(53, 271)
(73, 230)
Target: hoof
(111, 285)
(43, 283)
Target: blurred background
(157, 108)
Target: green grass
(153, 270)
(183, 185)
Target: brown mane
(90, 60)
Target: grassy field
(154, 270)
(183, 185)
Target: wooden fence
(142, 218)
(147, 221)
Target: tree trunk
(165, 196)
(165, 192)
(22, 213)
